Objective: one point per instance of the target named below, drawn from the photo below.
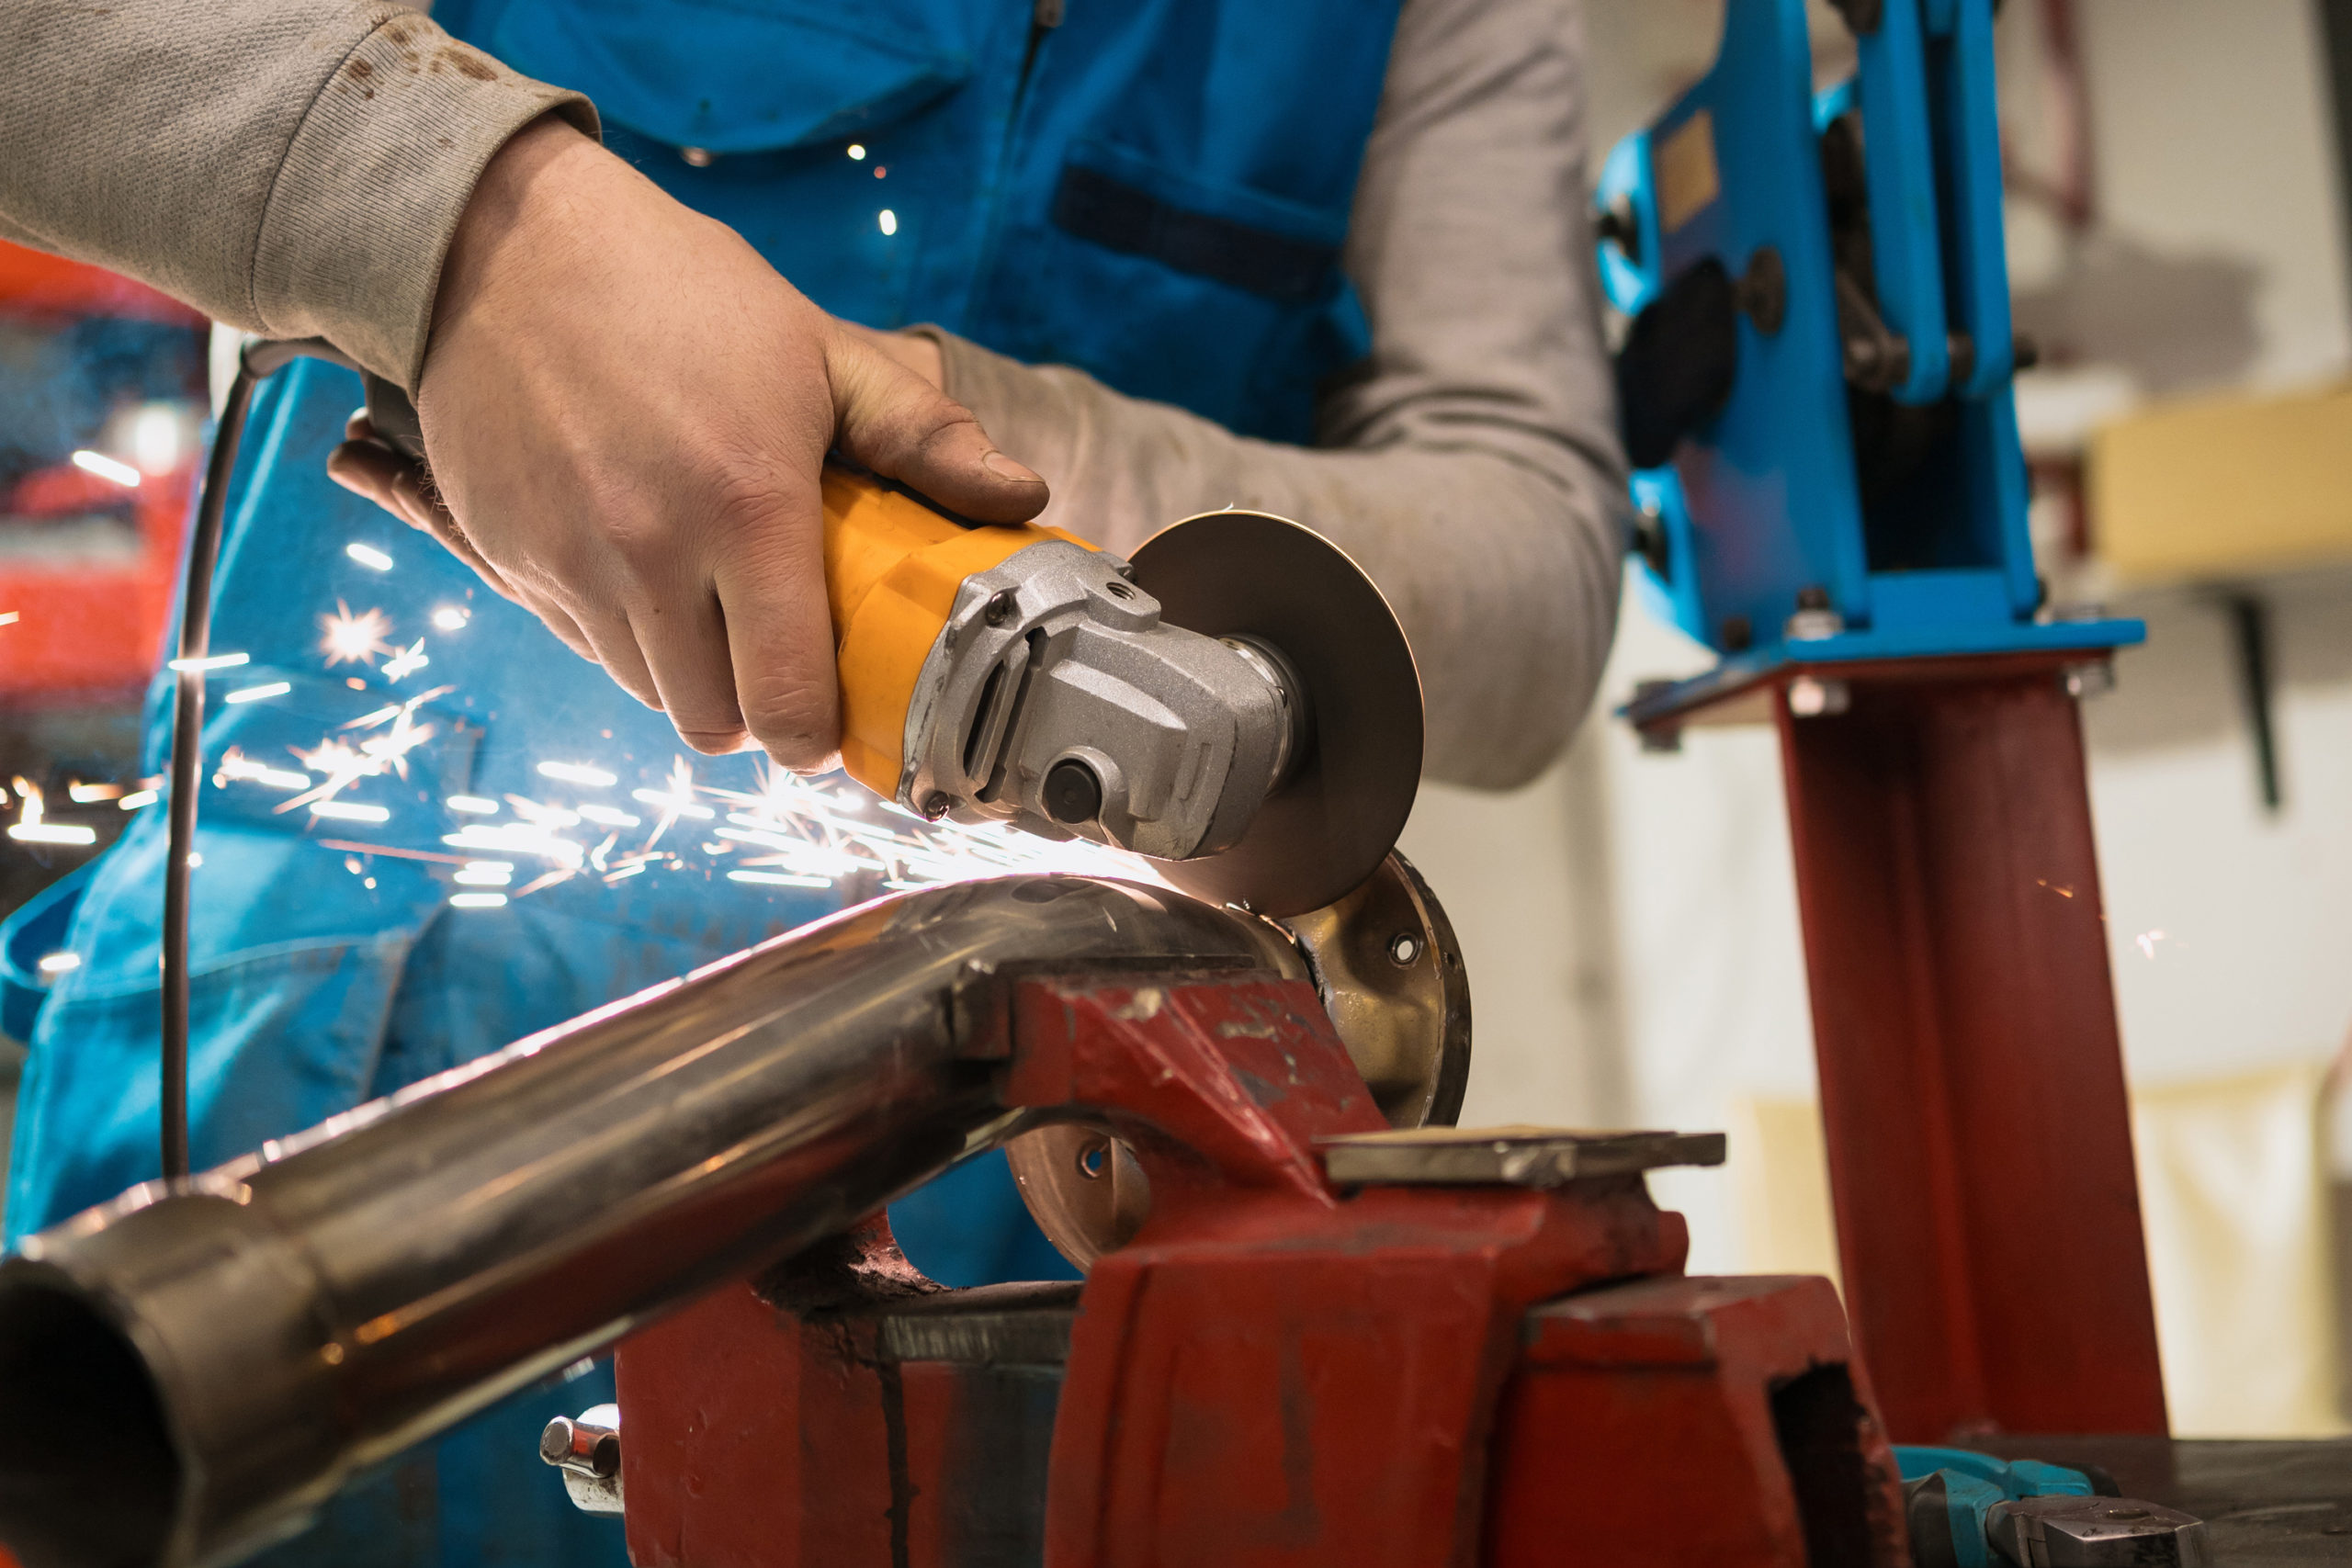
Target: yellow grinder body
(1015, 672)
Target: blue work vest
(1154, 191)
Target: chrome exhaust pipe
(187, 1372)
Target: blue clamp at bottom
(1948, 1494)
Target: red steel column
(1972, 1078)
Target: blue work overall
(1154, 191)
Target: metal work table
(2264, 1502)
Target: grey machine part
(1261, 732)
(1056, 697)
(2095, 1533)
(185, 1373)
(586, 1452)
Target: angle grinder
(1237, 701)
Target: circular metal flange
(1384, 961)
(1390, 972)
(1324, 828)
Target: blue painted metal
(1766, 500)
(1972, 1484)
(1630, 281)
(1907, 231)
(1671, 596)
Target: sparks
(235, 764)
(779, 879)
(477, 900)
(350, 811)
(255, 693)
(30, 828)
(407, 661)
(677, 801)
(369, 555)
(450, 618)
(472, 805)
(113, 469)
(59, 962)
(216, 661)
(354, 639)
(579, 773)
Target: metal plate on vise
(1326, 828)
(1505, 1157)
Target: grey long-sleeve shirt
(297, 167)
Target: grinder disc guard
(1326, 827)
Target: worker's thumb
(902, 427)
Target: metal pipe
(187, 1372)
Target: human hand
(626, 413)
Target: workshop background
(2179, 252)
(2178, 245)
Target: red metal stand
(1972, 1077)
(1274, 1371)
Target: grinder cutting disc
(1327, 827)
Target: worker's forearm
(1502, 564)
(294, 167)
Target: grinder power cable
(1237, 702)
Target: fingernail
(1005, 469)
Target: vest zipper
(1044, 15)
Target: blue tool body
(1865, 461)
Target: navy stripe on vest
(1115, 215)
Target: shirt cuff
(365, 205)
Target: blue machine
(1816, 384)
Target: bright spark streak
(350, 811)
(369, 555)
(10, 617)
(59, 962)
(779, 879)
(217, 661)
(486, 873)
(406, 662)
(30, 827)
(517, 838)
(255, 693)
(579, 773)
(109, 468)
(138, 798)
(676, 802)
(450, 618)
(90, 793)
(235, 764)
(477, 900)
(540, 816)
(610, 816)
(354, 639)
(472, 805)
(673, 804)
